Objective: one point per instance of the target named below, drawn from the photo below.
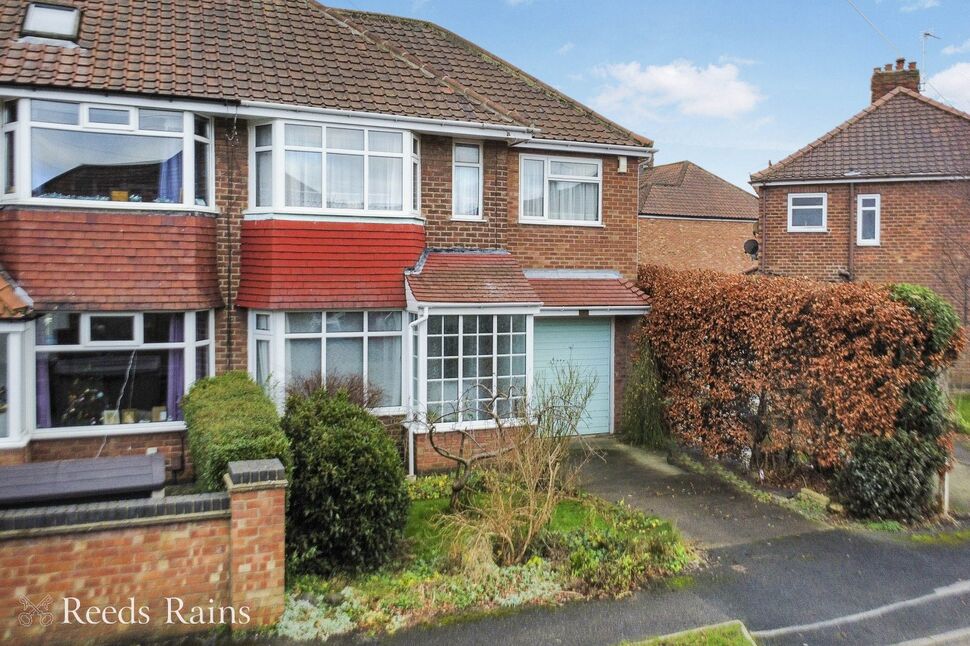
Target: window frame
(860, 241)
(23, 180)
(278, 147)
(277, 336)
(547, 177)
(189, 344)
(16, 335)
(480, 166)
(825, 213)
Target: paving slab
(708, 511)
(960, 479)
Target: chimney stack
(887, 79)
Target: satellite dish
(751, 247)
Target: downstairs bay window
(107, 369)
(91, 154)
(12, 339)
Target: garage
(587, 344)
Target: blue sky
(729, 85)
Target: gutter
(586, 147)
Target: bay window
(106, 154)
(560, 190)
(13, 336)
(303, 167)
(105, 369)
(471, 359)
(343, 346)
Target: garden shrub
(348, 496)
(787, 368)
(642, 421)
(936, 314)
(231, 418)
(891, 477)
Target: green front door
(586, 344)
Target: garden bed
(590, 548)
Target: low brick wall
(147, 567)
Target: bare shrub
(358, 392)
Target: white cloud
(712, 91)
(736, 60)
(566, 48)
(918, 5)
(957, 49)
(953, 85)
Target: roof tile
(469, 276)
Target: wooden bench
(85, 480)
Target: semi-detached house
(288, 189)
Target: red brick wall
(427, 460)
(232, 199)
(257, 556)
(87, 260)
(170, 445)
(623, 353)
(14, 456)
(695, 244)
(919, 222)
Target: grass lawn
(729, 634)
(590, 548)
(962, 404)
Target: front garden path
(960, 478)
(789, 580)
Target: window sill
(563, 223)
(867, 243)
(108, 205)
(467, 218)
(106, 430)
(807, 230)
(321, 215)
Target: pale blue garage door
(587, 344)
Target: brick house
(884, 197)
(692, 219)
(368, 196)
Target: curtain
(573, 201)
(170, 179)
(345, 181)
(385, 184)
(175, 383)
(262, 361)
(467, 191)
(304, 177)
(533, 172)
(43, 391)
(384, 368)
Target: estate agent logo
(40, 611)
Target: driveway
(791, 581)
(960, 478)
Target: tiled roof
(528, 99)
(294, 52)
(687, 190)
(903, 134)
(469, 276)
(12, 303)
(111, 261)
(313, 265)
(588, 292)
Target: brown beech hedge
(792, 370)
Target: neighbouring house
(884, 197)
(692, 219)
(289, 189)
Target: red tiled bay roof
(12, 304)
(113, 262)
(685, 189)
(294, 52)
(469, 276)
(326, 265)
(903, 134)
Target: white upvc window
(868, 215)
(288, 348)
(560, 190)
(415, 174)
(807, 212)
(466, 181)
(12, 383)
(106, 155)
(117, 372)
(315, 169)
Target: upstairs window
(466, 181)
(93, 153)
(807, 212)
(867, 220)
(51, 21)
(560, 190)
(308, 167)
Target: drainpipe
(852, 231)
(412, 467)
